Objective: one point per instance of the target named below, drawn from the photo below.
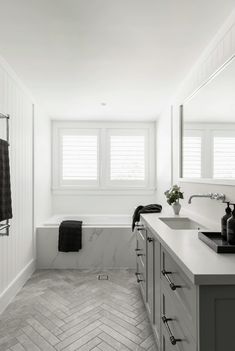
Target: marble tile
(101, 248)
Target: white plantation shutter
(103, 156)
(127, 157)
(79, 157)
(192, 156)
(224, 157)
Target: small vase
(176, 207)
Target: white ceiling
(131, 54)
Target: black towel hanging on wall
(5, 183)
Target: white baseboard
(10, 292)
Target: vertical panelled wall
(16, 251)
(42, 166)
(220, 50)
(164, 155)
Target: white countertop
(200, 263)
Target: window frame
(224, 133)
(126, 183)
(198, 133)
(61, 133)
(208, 131)
(104, 183)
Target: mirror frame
(181, 128)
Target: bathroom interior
(117, 163)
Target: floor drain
(103, 277)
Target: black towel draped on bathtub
(5, 184)
(70, 236)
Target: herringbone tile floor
(71, 310)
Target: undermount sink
(181, 223)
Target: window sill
(227, 182)
(110, 191)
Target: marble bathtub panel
(101, 248)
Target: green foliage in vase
(173, 194)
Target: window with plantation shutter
(75, 157)
(103, 156)
(208, 151)
(192, 156)
(127, 157)
(79, 157)
(224, 157)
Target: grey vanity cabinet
(201, 317)
(184, 316)
(174, 323)
(167, 293)
(216, 314)
(148, 262)
(150, 274)
(145, 268)
(165, 342)
(157, 291)
(141, 261)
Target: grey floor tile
(70, 310)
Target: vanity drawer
(175, 333)
(165, 342)
(141, 262)
(181, 290)
(141, 276)
(141, 247)
(141, 240)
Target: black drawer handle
(140, 254)
(137, 250)
(140, 227)
(173, 340)
(171, 284)
(138, 279)
(150, 239)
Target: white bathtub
(107, 242)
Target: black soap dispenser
(224, 220)
(231, 228)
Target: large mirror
(208, 129)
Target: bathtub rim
(59, 218)
(98, 226)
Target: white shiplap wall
(218, 52)
(42, 166)
(16, 251)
